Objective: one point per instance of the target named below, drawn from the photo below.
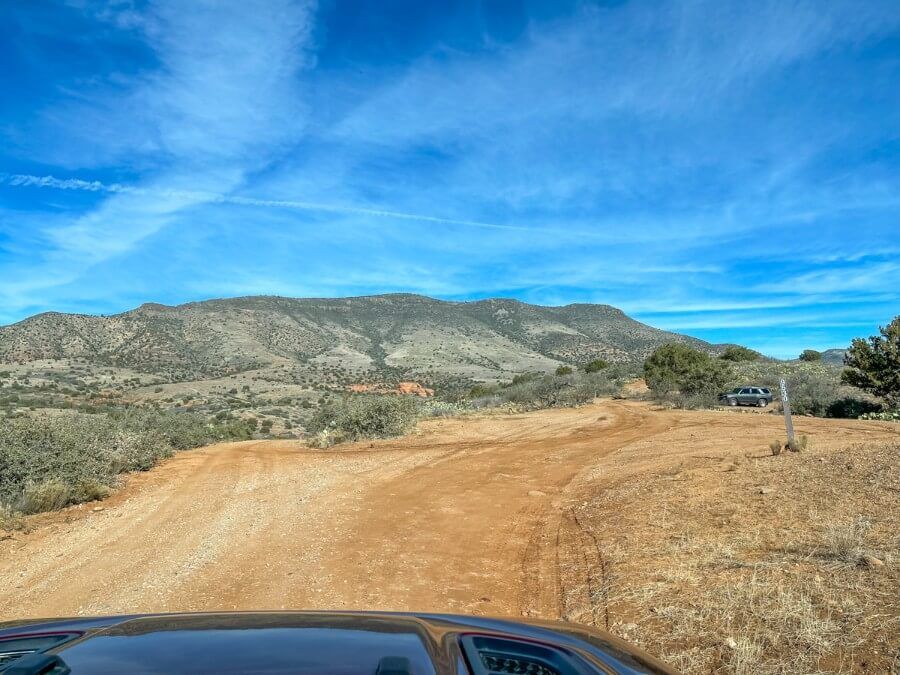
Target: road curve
(471, 515)
(464, 516)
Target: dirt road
(467, 515)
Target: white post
(786, 406)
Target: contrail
(24, 180)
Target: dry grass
(47, 495)
(799, 444)
(755, 566)
(10, 519)
(845, 541)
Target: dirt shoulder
(527, 514)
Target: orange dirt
(401, 388)
(473, 515)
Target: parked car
(758, 396)
(324, 643)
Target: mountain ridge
(396, 335)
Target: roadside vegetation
(874, 364)
(362, 416)
(567, 387)
(685, 376)
(51, 461)
(868, 386)
(676, 374)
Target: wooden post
(786, 406)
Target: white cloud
(183, 198)
(226, 90)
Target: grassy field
(757, 563)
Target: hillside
(834, 356)
(337, 340)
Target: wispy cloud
(188, 197)
(226, 82)
(714, 166)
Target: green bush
(481, 390)
(549, 391)
(849, 407)
(48, 495)
(814, 386)
(596, 366)
(37, 454)
(545, 392)
(181, 431)
(812, 392)
(677, 368)
(47, 462)
(810, 355)
(366, 416)
(737, 353)
(873, 365)
(564, 370)
(524, 377)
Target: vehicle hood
(314, 642)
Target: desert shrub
(775, 447)
(596, 366)
(562, 391)
(873, 365)
(524, 377)
(179, 430)
(440, 409)
(47, 495)
(810, 355)
(10, 519)
(88, 490)
(366, 416)
(480, 390)
(607, 382)
(578, 394)
(798, 444)
(845, 541)
(814, 387)
(678, 368)
(887, 416)
(483, 402)
(546, 392)
(564, 370)
(812, 392)
(326, 438)
(737, 353)
(48, 462)
(850, 407)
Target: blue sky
(728, 170)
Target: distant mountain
(834, 356)
(341, 339)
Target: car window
(745, 391)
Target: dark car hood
(315, 642)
